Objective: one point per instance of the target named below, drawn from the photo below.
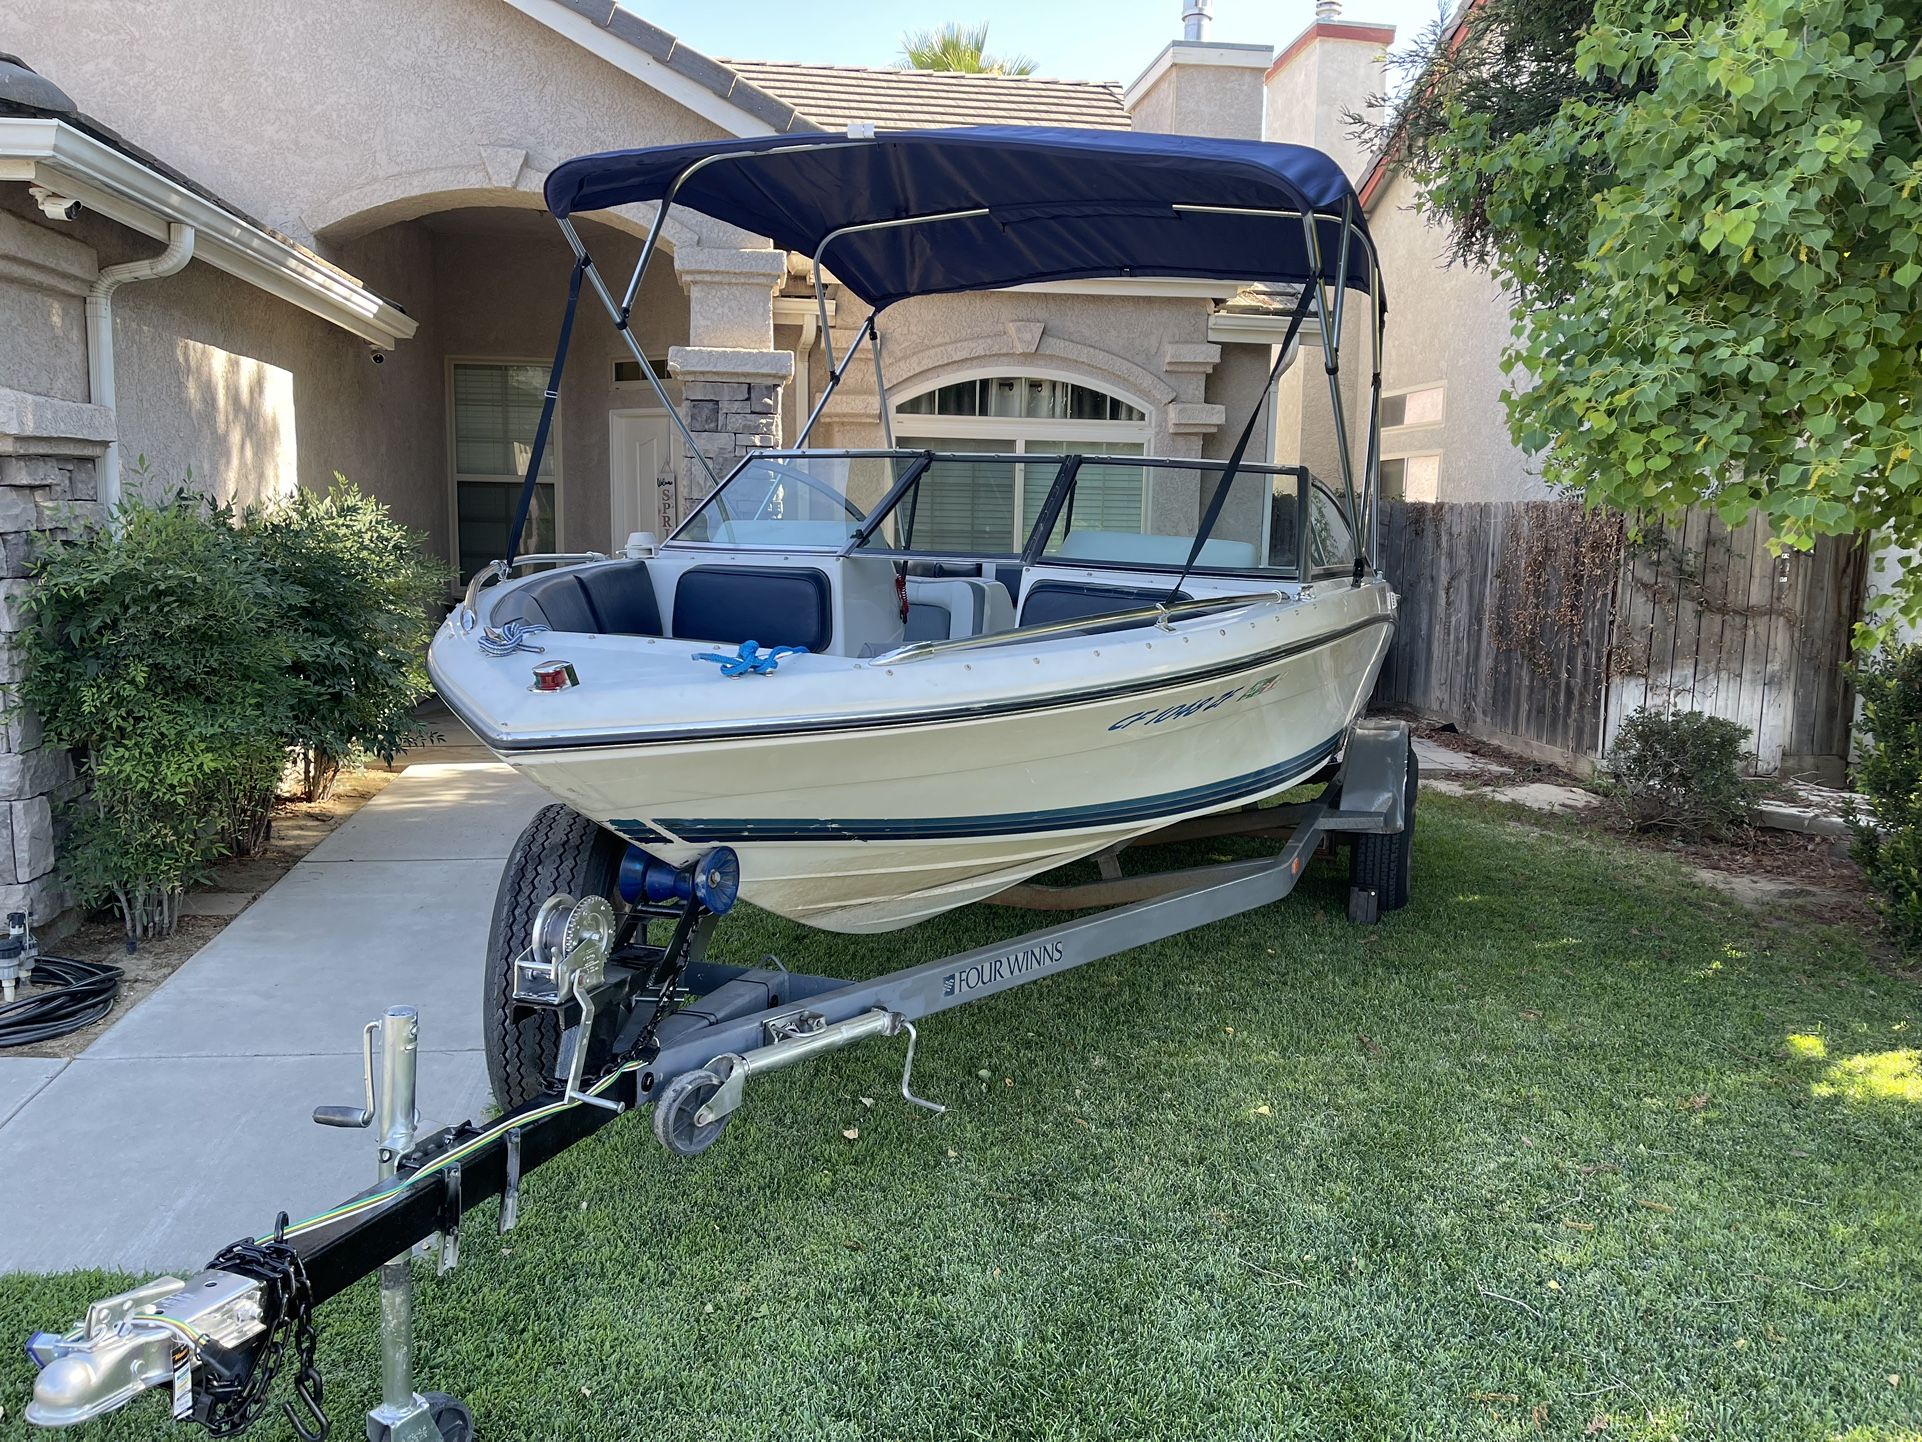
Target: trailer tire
(560, 851)
(1380, 863)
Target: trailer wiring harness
(71, 994)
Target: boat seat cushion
(775, 606)
(622, 595)
(1049, 601)
(613, 600)
(951, 607)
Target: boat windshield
(1112, 512)
(800, 499)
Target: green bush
(358, 624)
(1680, 771)
(158, 657)
(1888, 770)
(184, 651)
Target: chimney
(1198, 86)
(1333, 67)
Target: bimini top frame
(1012, 205)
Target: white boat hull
(884, 821)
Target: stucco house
(259, 242)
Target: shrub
(1681, 772)
(358, 625)
(1888, 770)
(185, 650)
(157, 655)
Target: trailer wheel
(674, 1109)
(1381, 863)
(560, 851)
(451, 1418)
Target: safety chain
(287, 1308)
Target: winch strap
(547, 410)
(1222, 487)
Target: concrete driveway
(188, 1123)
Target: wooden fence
(1541, 625)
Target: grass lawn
(1572, 1147)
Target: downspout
(180, 250)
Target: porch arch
(495, 176)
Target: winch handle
(361, 1116)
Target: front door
(640, 472)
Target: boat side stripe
(984, 711)
(1068, 818)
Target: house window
(628, 372)
(1412, 408)
(992, 513)
(496, 408)
(1410, 470)
(1411, 478)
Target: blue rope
(751, 660)
(511, 638)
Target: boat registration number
(1193, 708)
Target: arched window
(1021, 414)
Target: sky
(1070, 39)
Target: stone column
(47, 452)
(731, 376)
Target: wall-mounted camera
(52, 204)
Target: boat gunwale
(560, 743)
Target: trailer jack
(657, 1027)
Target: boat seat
(611, 600)
(775, 606)
(1049, 601)
(948, 608)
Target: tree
(959, 47)
(1710, 214)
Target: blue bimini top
(1047, 204)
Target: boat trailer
(657, 1026)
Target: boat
(881, 718)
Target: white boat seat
(776, 606)
(947, 608)
(1048, 601)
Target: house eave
(1253, 328)
(74, 164)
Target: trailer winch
(641, 1024)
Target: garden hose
(69, 995)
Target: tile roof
(836, 95)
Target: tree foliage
(1711, 217)
(955, 46)
(1888, 841)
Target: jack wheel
(451, 1418)
(674, 1109)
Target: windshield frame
(1032, 549)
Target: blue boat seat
(1049, 601)
(610, 600)
(776, 606)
